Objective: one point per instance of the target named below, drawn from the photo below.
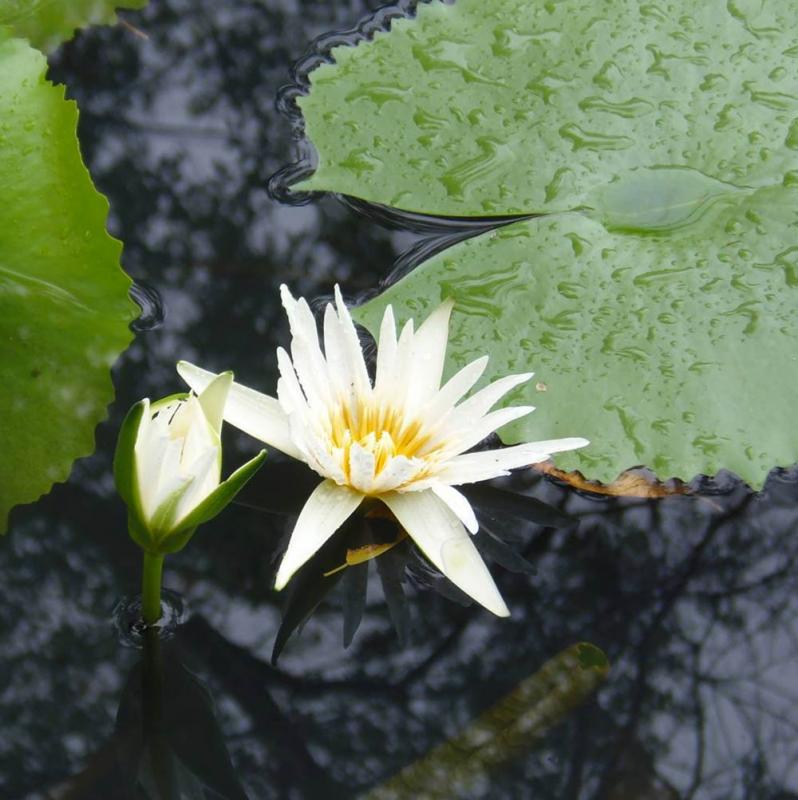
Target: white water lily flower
(168, 466)
(402, 440)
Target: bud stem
(151, 588)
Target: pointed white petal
(386, 354)
(429, 353)
(327, 508)
(308, 360)
(455, 388)
(482, 466)
(252, 412)
(396, 386)
(289, 392)
(443, 539)
(348, 334)
(477, 430)
(480, 403)
(212, 399)
(458, 503)
(191, 425)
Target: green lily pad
(495, 107)
(660, 146)
(64, 306)
(674, 350)
(47, 23)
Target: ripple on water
(130, 627)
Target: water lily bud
(168, 466)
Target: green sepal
(214, 503)
(125, 457)
(139, 532)
(224, 493)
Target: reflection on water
(693, 598)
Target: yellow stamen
(382, 430)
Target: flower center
(382, 430)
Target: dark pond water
(693, 598)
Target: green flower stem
(151, 588)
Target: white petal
(454, 389)
(458, 503)
(357, 364)
(429, 353)
(308, 360)
(480, 403)
(252, 412)
(398, 471)
(443, 539)
(166, 477)
(195, 432)
(289, 392)
(482, 466)
(477, 430)
(386, 354)
(396, 386)
(361, 468)
(327, 508)
(212, 399)
(206, 478)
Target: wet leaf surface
(492, 107)
(661, 146)
(675, 351)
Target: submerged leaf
(356, 582)
(503, 733)
(64, 306)
(311, 584)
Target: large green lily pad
(494, 107)
(64, 306)
(660, 144)
(47, 23)
(687, 364)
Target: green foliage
(687, 365)
(493, 107)
(64, 306)
(47, 23)
(653, 297)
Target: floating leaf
(64, 306)
(495, 107)
(654, 296)
(684, 362)
(47, 23)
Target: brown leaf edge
(634, 482)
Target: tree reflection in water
(693, 598)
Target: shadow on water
(693, 598)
